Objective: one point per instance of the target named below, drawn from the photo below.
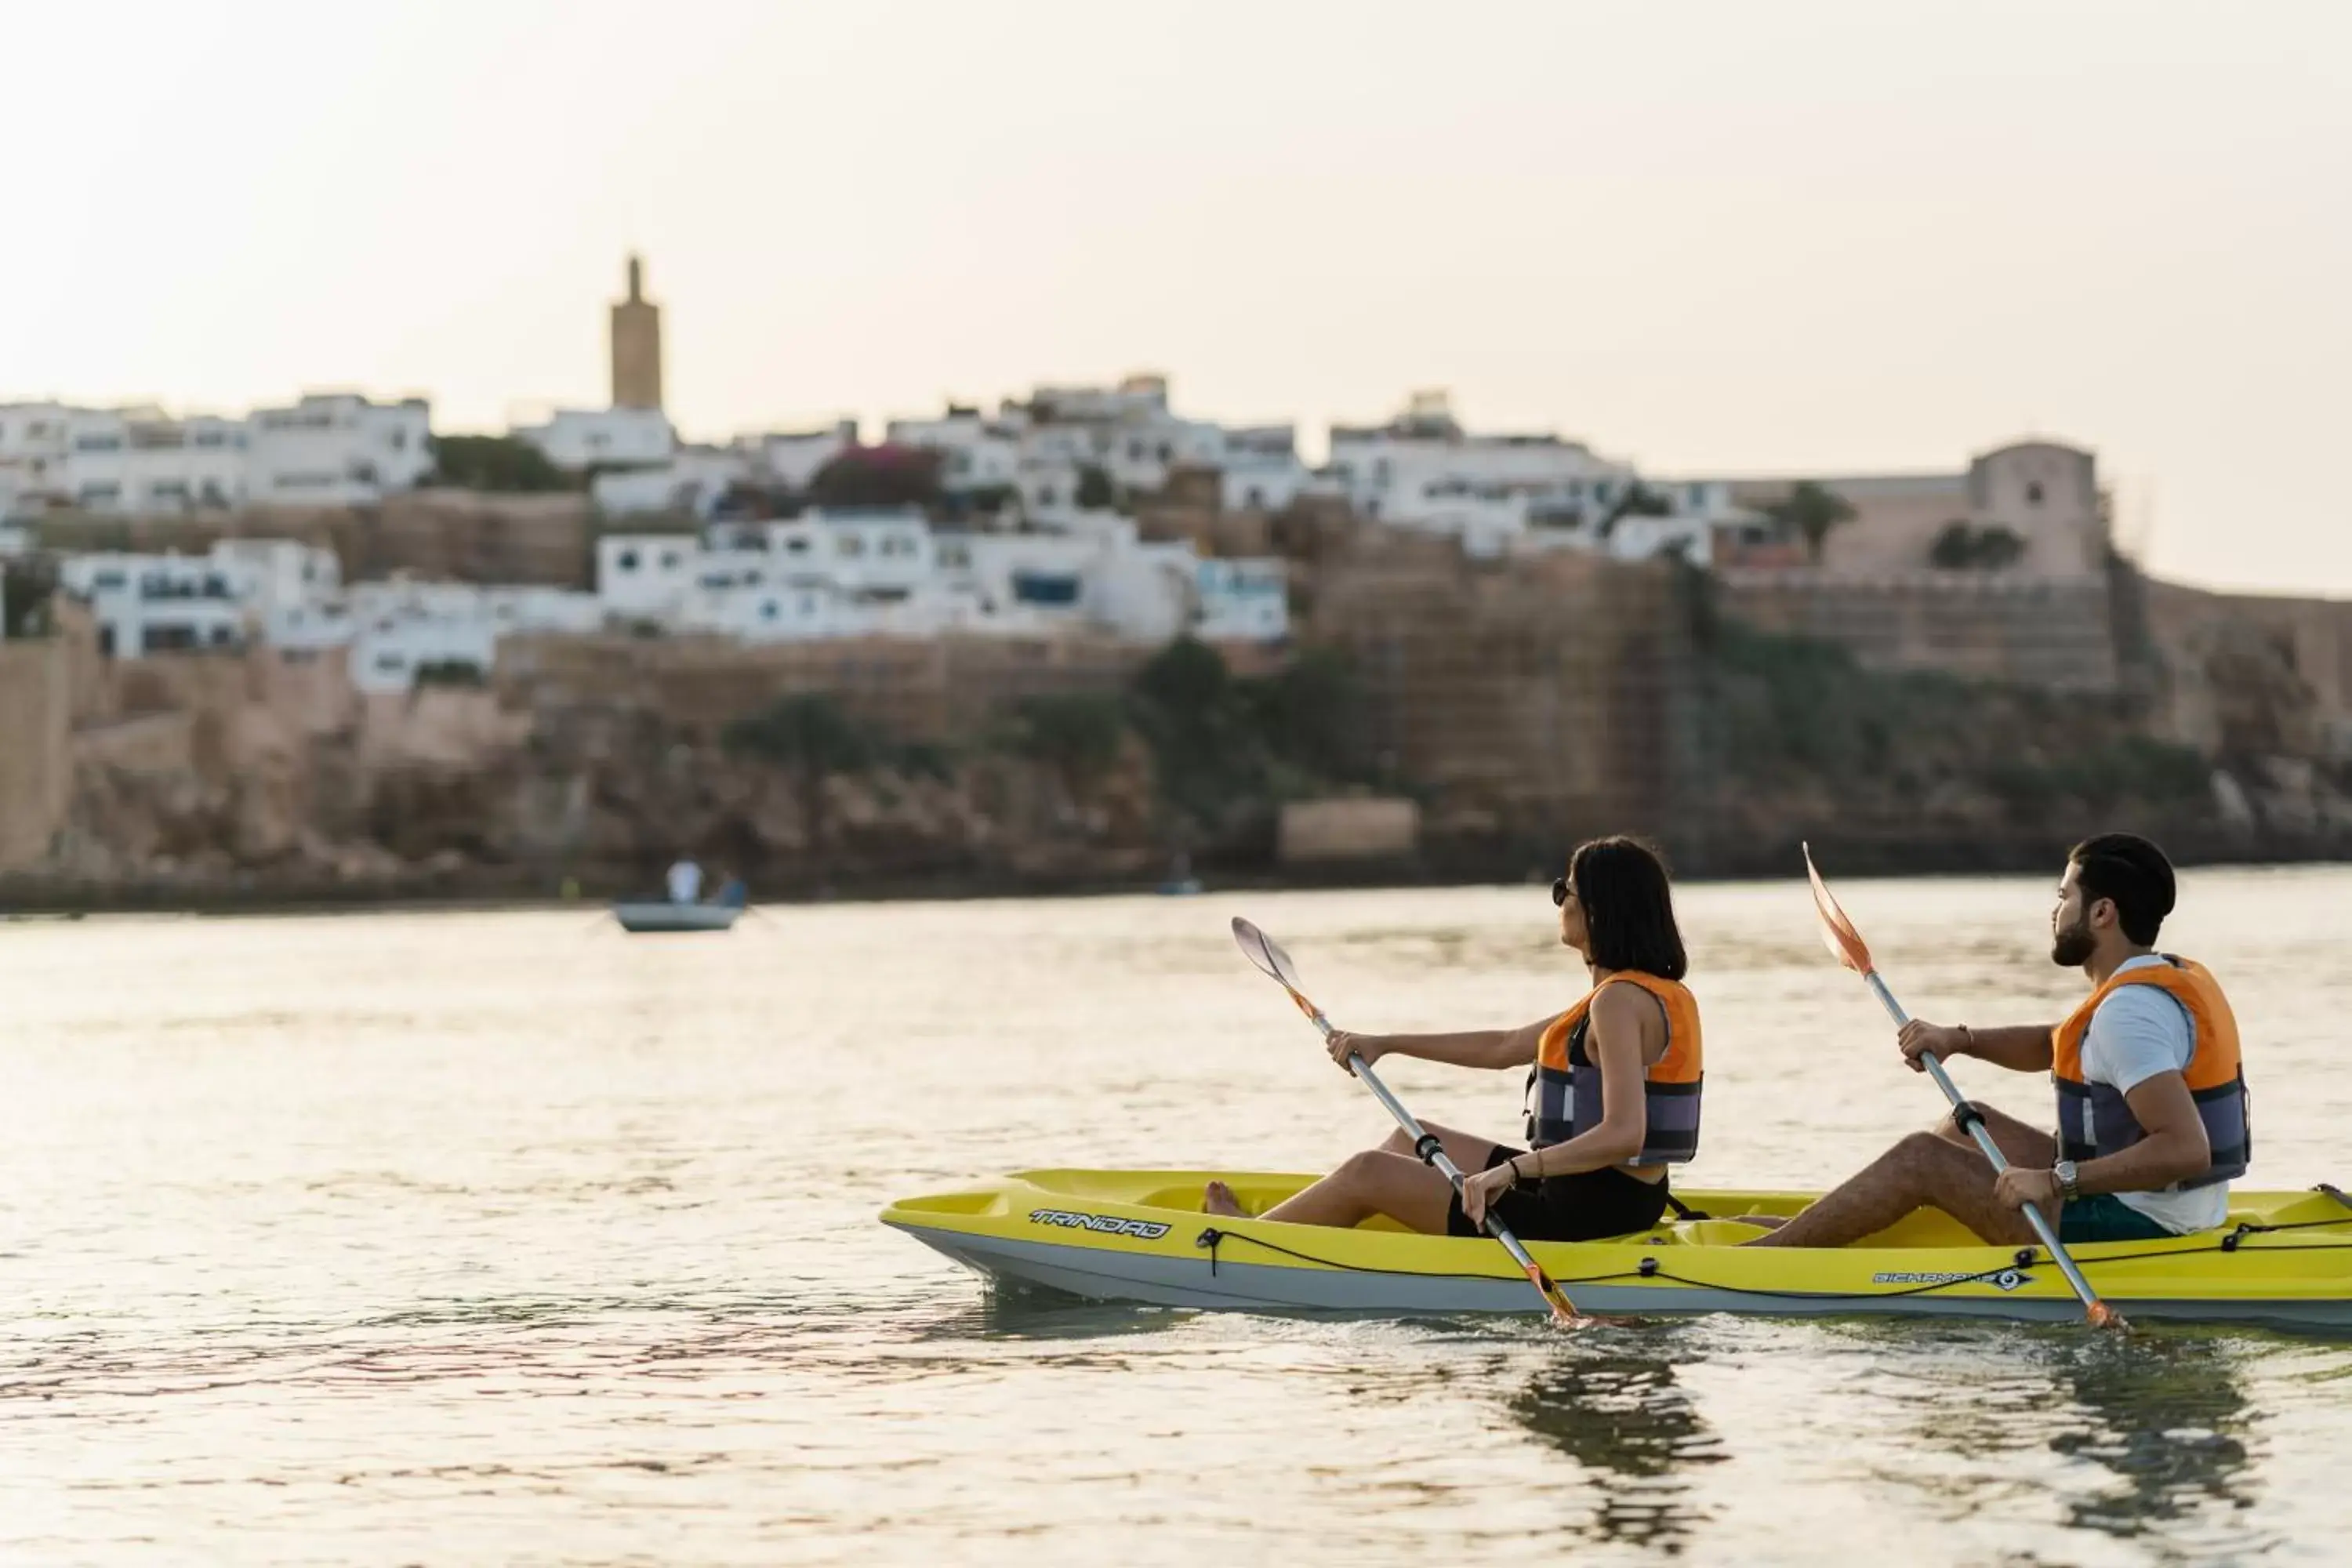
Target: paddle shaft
(1976, 1128)
(1432, 1151)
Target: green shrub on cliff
(1799, 718)
(26, 586)
(501, 464)
(1225, 751)
(1075, 733)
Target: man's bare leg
(2020, 1145)
(1925, 1170)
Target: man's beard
(2071, 948)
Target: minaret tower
(636, 346)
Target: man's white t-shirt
(2137, 1032)
(685, 882)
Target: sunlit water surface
(504, 1238)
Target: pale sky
(1713, 238)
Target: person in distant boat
(685, 882)
(2152, 1107)
(1615, 1078)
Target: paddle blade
(1563, 1311)
(1265, 952)
(1844, 942)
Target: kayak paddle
(1845, 945)
(1267, 954)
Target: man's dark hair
(2131, 871)
(1629, 910)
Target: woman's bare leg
(1373, 1182)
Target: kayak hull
(1120, 1236)
(653, 918)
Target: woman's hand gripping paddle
(1845, 945)
(1267, 954)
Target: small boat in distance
(650, 917)
(654, 916)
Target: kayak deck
(1140, 1236)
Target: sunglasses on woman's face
(1559, 891)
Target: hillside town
(445, 603)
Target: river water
(504, 1238)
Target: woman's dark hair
(2131, 871)
(1629, 910)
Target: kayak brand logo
(1101, 1224)
(2008, 1278)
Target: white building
(692, 484)
(647, 576)
(1262, 470)
(1424, 466)
(789, 459)
(289, 595)
(1043, 447)
(1241, 601)
(885, 571)
(1127, 431)
(142, 462)
(331, 450)
(576, 439)
(157, 603)
(402, 629)
(336, 450)
(976, 452)
(33, 444)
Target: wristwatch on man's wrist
(2064, 1170)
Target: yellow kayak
(1140, 1236)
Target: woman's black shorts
(1585, 1206)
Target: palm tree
(1810, 511)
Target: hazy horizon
(1811, 238)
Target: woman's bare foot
(1219, 1199)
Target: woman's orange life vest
(2095, 1121)
(1567, 1081)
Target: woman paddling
(1616, 1084)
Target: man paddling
(2151, 1099)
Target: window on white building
(849, 544)
(626, 561)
